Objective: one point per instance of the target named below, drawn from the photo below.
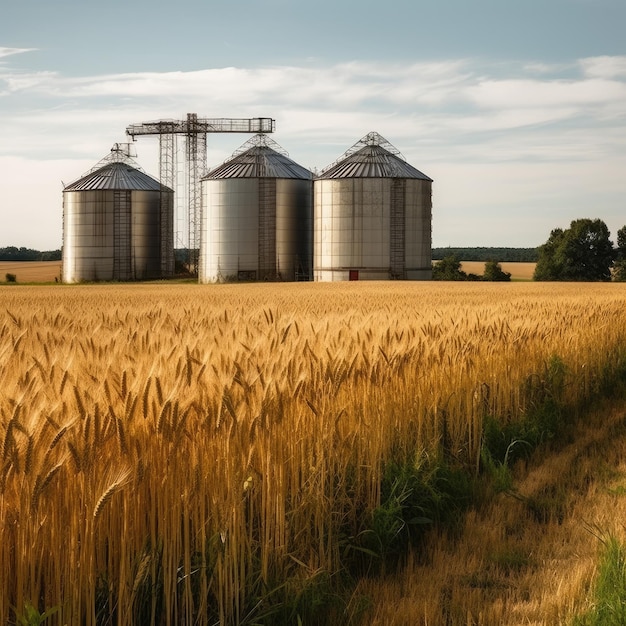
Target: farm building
(257, 217)
(372, 216)
(117, 224)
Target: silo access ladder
(397, 229)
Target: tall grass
(609, 597)
(193, 455)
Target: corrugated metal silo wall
(145, 247)
(256, 229)
(88, 236)
(113, 235)
(372, 229)
(418, 229)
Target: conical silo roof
(372, 157)
(117, 171)
(260, 157)
(115, 176)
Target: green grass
(608, 607)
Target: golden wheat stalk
(108, 493)
(41, 482)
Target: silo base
(338, 275)
(420, 274)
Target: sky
(517, 110)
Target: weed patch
(609, 597)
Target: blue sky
(516, 110)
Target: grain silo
(117, 224)
(372, 216)
(257, 220)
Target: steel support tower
(194, 130)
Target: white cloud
(454, 88)
(604, 67)
(25, 82)
(429, 99)
(5, 52)
(523, 143)
(500, 94)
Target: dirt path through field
(529, 558)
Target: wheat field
(47, 271)
(31, 271)
(173, 453)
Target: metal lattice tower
(194, 130)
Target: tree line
(504, 255)
(12, 253)
(582, 252)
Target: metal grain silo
(257, 219)
(117, 224)
(372, 216)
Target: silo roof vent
(372, 157)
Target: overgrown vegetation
(30, 616)
(417, 495)
(494, 272)
(546, 417)
(449, 268)
(609, 594)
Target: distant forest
(26, 254)
(500, 255)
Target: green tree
(547, 267)
(494, 272)
(582, 252)
(449, 268)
